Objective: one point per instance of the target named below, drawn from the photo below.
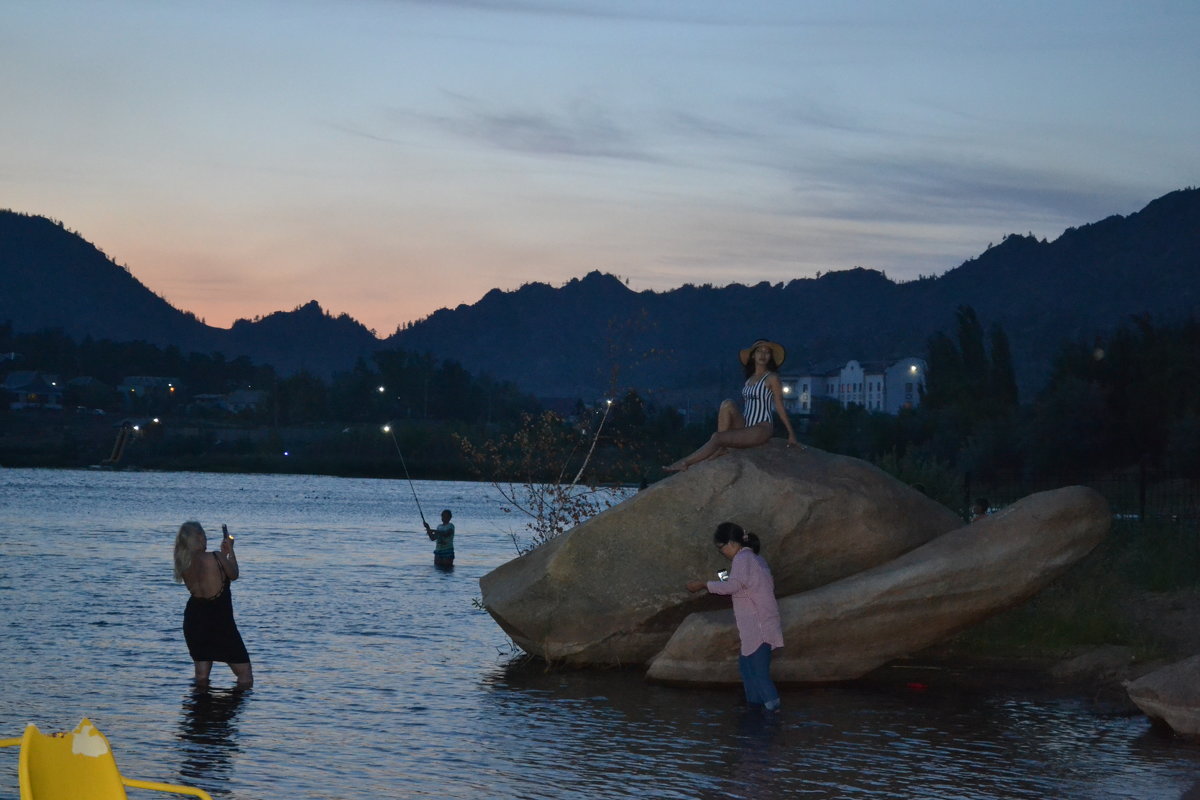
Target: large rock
(610, 591)
(848, 628)
(1171, 696)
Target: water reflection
(356, 631)
(208, 732)
(754, 754)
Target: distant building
(240, 400)
(883, 386)
(235, 402)
(148, 386)
(27, 389)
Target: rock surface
(1171, 695)
(610, 591)
(845, 629)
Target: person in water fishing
(443, 538)
(762, 399)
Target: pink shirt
(754, 607)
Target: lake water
(377, 677)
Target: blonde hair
(188, 532)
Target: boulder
(610, 591)
(1171, 696)
(848, 628)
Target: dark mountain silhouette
(306, 338)
(50, 278)
(571, 340)
(594, 335)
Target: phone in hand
(225, 532)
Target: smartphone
(723, 575)
(225, 531)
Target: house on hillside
(240, 400)
(235, 402)
(138, 386)
(29, 389)
(883, 386)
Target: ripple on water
(376, 676)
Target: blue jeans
(756, 676)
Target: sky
(389, 158)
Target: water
(376, 677)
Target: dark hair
(732, 532)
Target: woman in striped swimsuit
(762, 398)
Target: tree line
(1114, 403)
(1117, 402)
(436, 408)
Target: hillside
(54, 279)
(571, 340)
(594, 335)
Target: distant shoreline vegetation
(1112, 403)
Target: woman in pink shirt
(755, 610)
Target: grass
(1096, 602)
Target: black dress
(209, 629)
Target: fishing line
(388, 430)
(596, 438)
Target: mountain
(307, 338)
(50, 278)
(593, 335)
(573, 339)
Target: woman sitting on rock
(762, 398)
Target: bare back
(205, 578)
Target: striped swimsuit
(758, 402)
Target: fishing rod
(596, 438)
(388, 430)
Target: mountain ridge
(593, 335)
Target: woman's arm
(738, 578)
(777, 393)
(228, 558)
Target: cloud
(958, 188)
(581, 129)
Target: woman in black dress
(208, 625)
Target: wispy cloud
(580, 129)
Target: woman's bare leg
(729, 417)
(245, 675)
(202, 670)
(740, 438)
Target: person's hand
(696, 586)
(227, 545)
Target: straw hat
(776, 350)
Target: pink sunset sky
(391, 157)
